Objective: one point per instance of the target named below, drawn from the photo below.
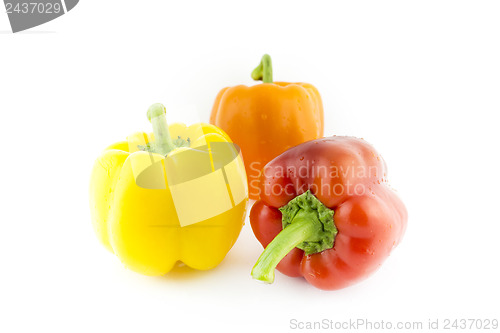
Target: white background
(420, 80)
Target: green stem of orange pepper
(264, 72)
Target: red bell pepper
(327, 213)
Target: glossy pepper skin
(140, 224)
(347, 178)
(268, 118)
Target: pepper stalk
(307, 224)
(163, 143)
(264, 72)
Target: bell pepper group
(324, 210)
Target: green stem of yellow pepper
(163, 142)
(264, 71)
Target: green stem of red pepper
(307, 225)
(300, 230)
(264, 72)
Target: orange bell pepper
(267, 119)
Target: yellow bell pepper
(176, 195)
